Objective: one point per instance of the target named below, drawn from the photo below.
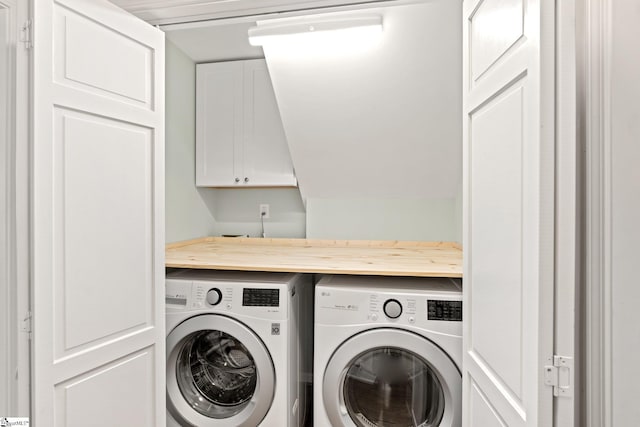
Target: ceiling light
(314, 30)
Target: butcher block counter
(361, 257)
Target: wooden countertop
(361, 257)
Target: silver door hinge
(560, 376)
(26, 34)
(26, 323)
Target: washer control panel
(263, 295)
(214, 296)
(392, 308)
(188, 294)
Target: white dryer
(388, 352)
(236, 348)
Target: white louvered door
(97, 216)
(509, 211)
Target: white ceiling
(226, 39)
(179, 11)
(218, 41)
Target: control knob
(392, 308)
(214, 296)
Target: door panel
(496, 186)
(128, 384)
(110, 65)
(494, 28)
(98, 222)
(482, 413)
(111, 161)
(509, 211)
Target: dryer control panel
(417, 306)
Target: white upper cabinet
(240, 139)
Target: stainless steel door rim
(439, 364)
(254, 409)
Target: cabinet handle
(246, 179)
(237, 179)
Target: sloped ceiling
(379, 122)
(217, 41)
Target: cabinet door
(267, 161)
(97, 203)
(219, 125)
(509, 212)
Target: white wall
(5, 296)
(14, 213)
(383, 219)
(188, 213)
(236, 212)
(375, 120)
(214, 41)
(375, 131)
(625, 211)
(612, 128)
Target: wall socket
(264, 211)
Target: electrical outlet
(264, 211)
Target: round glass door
(390, 386)
(391, 377)
(219, 373)
(216, 373)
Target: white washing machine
(388, 352)
(236, 346)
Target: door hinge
(560, 376)
(26, 323)
(26, 33)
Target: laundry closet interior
(284, 191)
(347, 137)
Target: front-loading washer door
(392, 377)
(219, 373)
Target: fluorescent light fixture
(308, 30)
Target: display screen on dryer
(252, 297)
(444, 310)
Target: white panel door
(509, 211)
(97, 217)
